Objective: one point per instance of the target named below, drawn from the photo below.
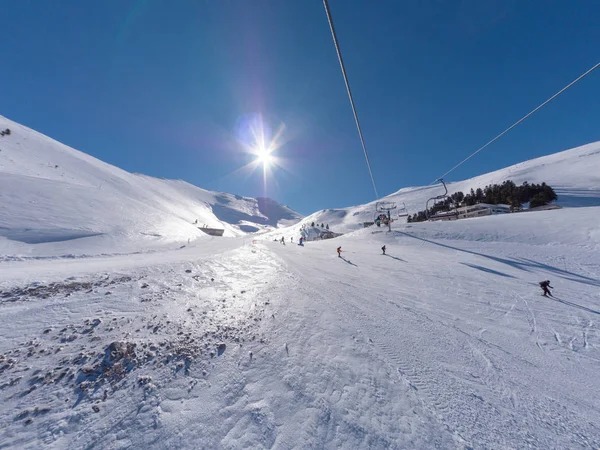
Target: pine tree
(327, 226)
(312, 224)
(479, 195)
(538, 199)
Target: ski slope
(445, 342)
(51, 195)
(126, 327)
(574, 174)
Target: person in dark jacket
(383, 249)
(545, 285)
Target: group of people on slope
(545, 285)
(339, 250)
(282, 240)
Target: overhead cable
(519, 121)
(339, 53)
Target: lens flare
(262, 148)
(264, 156)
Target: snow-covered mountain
(443, 342)
(51, 193)
(574, 174)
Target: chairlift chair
(383, 213)
(402, 211)
(439, 197)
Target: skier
(383, 248)
(301, 241)
(545, 285)
(282, 240)
(339, 250)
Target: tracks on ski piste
(468, 383)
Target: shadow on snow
(575, 305)
(394, 257)
(519, 263)
(485, 269)
(348, 261)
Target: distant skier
(339, 250)
(545, 285)
(383, 249)
(301, 241)
(292, 239)
(282, 240)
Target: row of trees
(507, 193)
(326, 226)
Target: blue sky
(167, 88)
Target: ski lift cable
(519, 121)
(339, 54)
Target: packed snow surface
(444, 342)
(51, 194)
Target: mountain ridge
(574, 174)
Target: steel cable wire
(518, 122)
(339, 54)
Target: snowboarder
(339, 250)
(383, 249)
(301, 241)
(545, 285)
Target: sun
(263, 148)
(263, 156)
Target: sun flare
(264, 157)
(263, 148)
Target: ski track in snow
(440, 344)
(486, 394)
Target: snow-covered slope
(51, 193)
(574, 174)
(443, 343)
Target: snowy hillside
(574, 174)
(444, 342)
(51, 194)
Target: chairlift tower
(385, 208)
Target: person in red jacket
(339, 250)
